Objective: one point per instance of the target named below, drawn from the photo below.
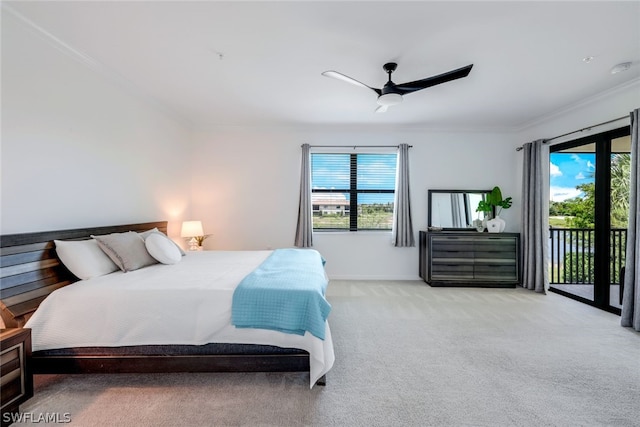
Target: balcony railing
(572, 252)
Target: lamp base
(193, 245)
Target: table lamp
(193, 230)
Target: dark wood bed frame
(30, 270)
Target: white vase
(496, 225)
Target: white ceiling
(259, 63)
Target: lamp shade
(192, 229)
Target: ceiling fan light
(388, 99)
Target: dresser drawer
(438, 254)
(490, 245)
(443, 247)
(495, 272)
(459, 271)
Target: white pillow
(162, 248)
(147, 233)
(84, 258)
(126, 250)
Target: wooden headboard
(30, 268)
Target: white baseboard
(358, 277)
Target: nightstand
(16, 379)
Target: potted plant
(497, 224)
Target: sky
(375, 171)
(566, 171)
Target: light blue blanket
(285, 293)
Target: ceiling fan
(391, 93)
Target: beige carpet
(406, 355)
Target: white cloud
(583, 162)
(580, 175)
(560, 194)
(554, 170)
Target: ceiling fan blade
(340, 76)
(382, 108)
(409, 87)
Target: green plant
(484, 206)
(495, 199)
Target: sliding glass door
(588, 212)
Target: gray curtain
(402, 227)
(534, 219)
(304, 230)
(457, 210)
(631, 297)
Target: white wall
(77, 149)
(246, 185)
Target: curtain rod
(579, 130)
(355, 146)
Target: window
(352, 191)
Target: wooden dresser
(469, 258)
(16, 378)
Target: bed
(121, 322)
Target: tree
(620, 189)
(560, 208)
(583, 208)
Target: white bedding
(185, 303)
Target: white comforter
(185, 303)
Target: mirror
(456, 209)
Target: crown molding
(621, 88)
(353, 127)
(96, 66)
